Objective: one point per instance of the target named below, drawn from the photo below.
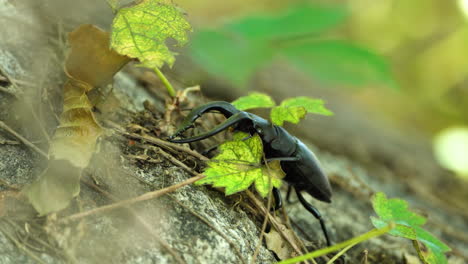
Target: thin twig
(287, 222)
(365, 256)
(262, 233)
(171, 158)
(22, 139)
(142, 221)
(7, 91)
(21, 82)
(12, 83)
(124, 203)
(166, 246)
(14, 225)
(207, 222)
(189, 170)
(166, 144)
(262, 208)
(9, 142)
(157, 141)
(180, 164)
(267, 215)
(21, 247)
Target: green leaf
(141, 32)
(292, 114)
(435, 257)
(229, 55)
(396, 210)
(313, 106)
(253, 100)
(399, 230)
(298, 21)
(435, 248)
(238, 165)
(339, 62)
(236, 51)
(408, 225)
(294, 109)
(431, 241)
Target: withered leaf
(91, 63)
(91, 59)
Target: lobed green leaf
(294, 109)
(311, 105)
(238, 165)
(431, 241)
(292, 114)
(141, 32)
(408, 225)
(253, 100)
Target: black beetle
(303, 171)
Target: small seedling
(140, 31)
(408, 225)
(291, 110)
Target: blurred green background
(424, 43)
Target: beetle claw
(225, 108)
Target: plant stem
(166, 83)
(420, 254)
(332, 260)
(371, 234)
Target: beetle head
(264, 129)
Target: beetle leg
(236, 118)
(316, 213)
(207, 151)
(225, 108)
(278, 200)
(283, 159)
(288, 194)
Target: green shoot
(351, 242)
(141, 31)
(408, 225)
(291, 109)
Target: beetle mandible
(302, 168)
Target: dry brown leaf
(277, 244)
(90, 63)
(91, 60)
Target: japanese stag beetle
(302, 168)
